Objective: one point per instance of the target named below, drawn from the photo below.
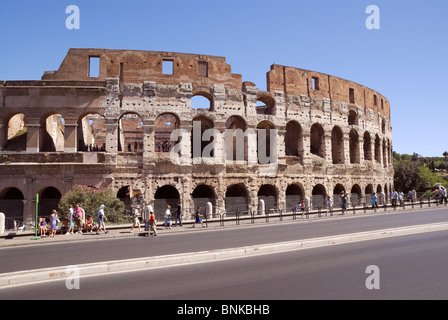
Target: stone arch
(265, 104)
(130, 134)
(197, 147)
(294, 194)
(164, 196)
(356, 194)
(317, 145)
(202, 100)
(11, 204)
(164, 125)
(264, 128)
(237, 198)
(337, 190)
(49, 198)
(377, 149)
(268, 193)
(367, 146)
(354, 146)
(124, 194)
(15, 133)
(319, 194)
(236, 139)
(203, 194)
(293, 139)
(337, 145)
(53, 132)
(92, 132)
(352, 118)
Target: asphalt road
(410, 267)
(64, 254)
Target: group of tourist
(75, 215)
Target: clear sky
(406, 60)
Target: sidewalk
(12, 239)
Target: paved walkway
(11, 239)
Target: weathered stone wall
(332, 134)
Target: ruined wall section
(133, 82)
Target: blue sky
(406, 60)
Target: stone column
(306, 148)
(148, 142)
(3, 136)
(71, 135)
(112, 135)
(34, 135)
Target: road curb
(67, 272)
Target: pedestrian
(302, 207)
(443, 195)
(136, 220)
(80, 217)
(71, 220)
(53, 223)
(178, 214)
(89, 223)
(198, 218)
(344, 202)
(374, 201)
(71, 223)
(167, 217)
(394, 197)
(101, 220)
(329, 205)
(42, 227)
(152, 223)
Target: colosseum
(175, 127)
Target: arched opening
(268, 193)
(319, 194)
(265, 105)
(202, 101)
(165, 124)
(367, 147)
(356, 195)
(293, 139)
(337, 145)
(294, 196)
(202, 145)
(124, 194)
(237, 199)
(236, 139)
(11, 204)
(16, 133)
(164, 196)
(352, 118)
(92, 133)
(53, 135)
(203, 194)
(354, 146)
(337, 191)
(368, 193)
(266, 142)
(317, 140)
(377, 149)
(130, 135)
(48, 200)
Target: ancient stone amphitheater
(168, 127)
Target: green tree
(90, 199)
(427, 179)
